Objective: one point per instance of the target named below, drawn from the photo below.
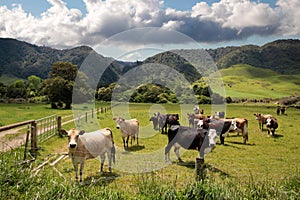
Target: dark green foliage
(281, 56)
(59, 86)
(150, 93)
(176, 62)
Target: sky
(134, 29)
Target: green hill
(245, 81)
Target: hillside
(245, 81)
(18, 60)
(282, 56)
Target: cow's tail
(113, 149)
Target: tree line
(58, 90)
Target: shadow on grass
(102, 178)
(191, 165)
(240, 143)
(135, 148)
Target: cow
(154, 120)
(189, 138)
(222, 126)
(193, 119)
(272, 125)
(165, 120)
(83, 146)
(128, 128)
(262, 119)
(241, 127)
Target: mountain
(18, 59)
(282, 56)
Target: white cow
(128, 128)
(84, 146)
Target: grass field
(233, 170)
(244, 81)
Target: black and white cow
(272, 125)
(189, 138)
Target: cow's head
(257, 116)
(73, 136)
(200, 124)
(233, 124)
(118, 121)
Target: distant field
(244, 81)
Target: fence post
(26, 142)
(92, 113)
(33, 139)
(59, 125)
(200, 169)
(86, 117)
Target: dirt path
(8, 144)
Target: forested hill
(20, 59)
(282, 56)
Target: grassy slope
(245, 81)
(8, 79)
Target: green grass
(244, 81)
(267, 167)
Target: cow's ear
(81, 132)
(63, 133)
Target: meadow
(264, 168)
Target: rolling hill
(245, 81)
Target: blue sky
(69, 23)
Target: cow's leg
(137, 139)
(222, 139)
(109, 155)
(124, 142)
(176, 150)
(167, 151)
(127, 141)
(102, 157)
(75, 165)
(81, 171)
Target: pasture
(266, 167)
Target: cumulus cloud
(61, 26)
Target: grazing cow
(220, 114)
(272, 125)
(128, 128)
(84, 146)
(241, 127)
(221, 126)
(167, 120)
(189, 138)
(262, 119)
(154, 120)
(194, 119)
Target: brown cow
(84, 146)
(242, 127)
(262, 119)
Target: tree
(17, 89)
(33, 85)
(59, 86)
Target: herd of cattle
(201, 135)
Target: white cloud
(61, 26)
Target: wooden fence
(37, 131)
